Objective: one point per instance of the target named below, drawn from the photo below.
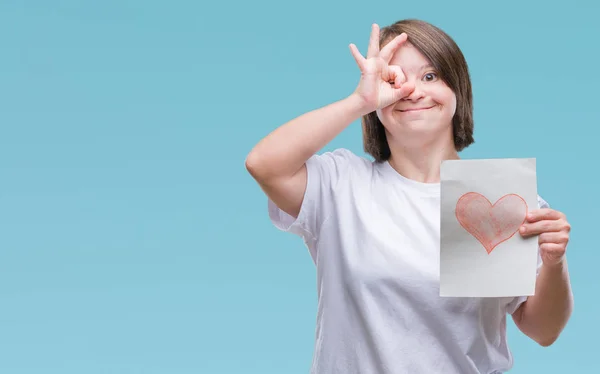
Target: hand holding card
(484, 204)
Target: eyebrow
(426, 66)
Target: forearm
(544, 315)
(285, 150)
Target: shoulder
(342, 155)
(340, 161)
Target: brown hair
(451, 66)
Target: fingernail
(522, 229)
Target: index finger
(388, 51)
(543, 214)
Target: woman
(372, 227)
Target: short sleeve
(324, 173)
(516, 302)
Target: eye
(430, 77)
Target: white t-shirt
(374, 238)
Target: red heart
(491, 224)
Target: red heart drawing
(491, 224)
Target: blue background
(132, 239)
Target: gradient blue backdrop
(132, 240)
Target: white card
(483, 204)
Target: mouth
(415, 109)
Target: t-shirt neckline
(431, 189)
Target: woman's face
(428, 109)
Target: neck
(421, 162)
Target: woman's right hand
(380, 84)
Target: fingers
(552, 253)
(544, 226)
(552, 247)
(406, 89)
(373, 50)
(389, 49)
(395, 74)
(544, 220)
(358, 57)
(397, 79)
(544, 214)
(560, 237)
(553, 230)
(403, 91)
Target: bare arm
(278, 161)
(543, 316)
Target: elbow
(253, 165)
(263, 167)
(548, 337)
(250, 164)
(547, 341)
(544, 336)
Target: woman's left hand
(553, 230)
